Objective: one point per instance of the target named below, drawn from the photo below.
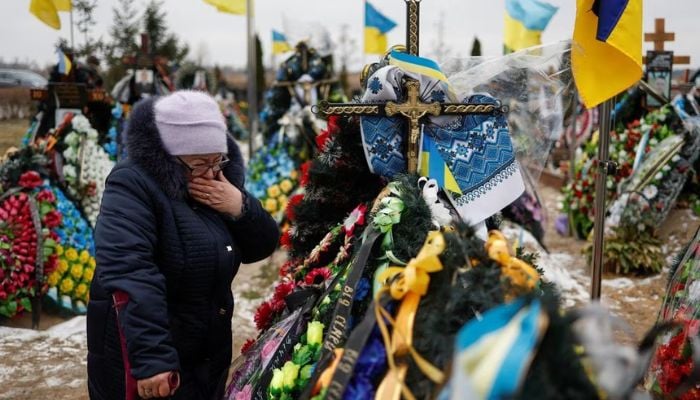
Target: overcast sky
(220, 38)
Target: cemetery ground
(51, 362)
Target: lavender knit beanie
(190, 123)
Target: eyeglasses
(201, 170)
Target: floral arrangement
(21, 210)
(624, 142)
(673, 361)
(272, 177)
(86, 166)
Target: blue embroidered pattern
(437, 96)
(375, 86)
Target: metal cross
(413, 109)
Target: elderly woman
(174, 226)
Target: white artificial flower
(666, 168)
(694, 292)
(92, 134)
(69, 171)
(650, 192)
(640, 227)
(72, 139)
(80, 123)
(653, 141)
(676, 158)
(658, 176)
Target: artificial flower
(53, 278)
(317, 276)
(67, 285)
(71, 254)
(76, 271)
(290, 373)
(247, 345)
(88, 274)
(52, 219)
(30, 180)
(273, 191)
(84, 257)
(314, 333)
(62, 266)
(277, 381)
(263, 316)
(80, 290)
(270, 205)
(286, 186)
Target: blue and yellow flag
(64, 63)
(376, 27)
(279, 43)
(47, 11)
(606, 55)
(524, 22)
(494, 352)
(237, 7)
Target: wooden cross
(413, 109)
(659, 37)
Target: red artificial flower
(247, 345)
(317, 276)
(277, 305)
(333, 124)
(46, 195)
(291, 206)
(286, 240)
(30, 180)
(283, 289)
(287, 268)
(52, 219)
(305, 173)
(263, 316)
(322, 139)
(356, 218)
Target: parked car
(21, 78)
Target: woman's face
(205, 166)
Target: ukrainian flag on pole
(606, 55)
(47, 11)
(376, 27)
(236, 7)
(524, 22)
(279, 43)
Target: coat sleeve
(125, 241)
(256, 233)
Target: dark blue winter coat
(175, 258)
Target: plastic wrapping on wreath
(673, 360)
(647, 196)
(249, 368)
(537, 86)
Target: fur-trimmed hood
(145, 149)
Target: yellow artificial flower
(59, 250)
(286, 186)
(293, 174)
(314, 333)
(271, 205)
(290, 372)
(71, 254)
(67, 286)
(76, 271)
(84, 256)
(91, 262)
(53, 279)
(80, 290)
(62, 266)
(273, 191)
(282, 200)
(88, 274)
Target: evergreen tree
(161, 42)
(86, 21)
(123, 33)
(476, 47)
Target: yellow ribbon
(414, 277)
(408, 284)
(521, 274)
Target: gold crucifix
(412, 108)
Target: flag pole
(604, 167)
(72, 45)
(252, 79)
